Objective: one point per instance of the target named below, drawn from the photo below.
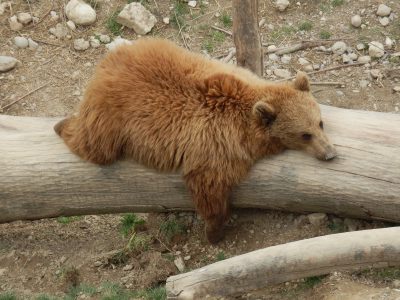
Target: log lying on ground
(277, 264)
(40, 177)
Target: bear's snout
(331, 154)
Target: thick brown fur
(171, 109)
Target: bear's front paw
(214, 235)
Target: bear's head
(290, 114)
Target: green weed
(325, 34)
(157, 293)
(226, 19)
(306, 26)
(385, 274)
(8, 296)
(285, 31)
(220, 256)
(112, 24)
(178, 13)
(129, 223)
(171, 228)
(213, 40)
(67, 220)
(336, 3)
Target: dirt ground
(119, 257)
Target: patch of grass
(285, 31)
(226, 19)
(156, 293)
(112, 25)
(47, 297)
(139, 242)
(113, 291)
(220, 256)
(336, 3)
(8, 296)
(394, 59)
(306, 26)
(129, 223)
(214, 38)
(178, 13)
(324, 34)
(119, 258)
(385, 274)
(310, 282)
(337, 227)
(67, 220)
(171, 228)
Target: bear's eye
(321, 125)
(306, 136)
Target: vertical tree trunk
(246, 35)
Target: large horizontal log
(265, 267)
(40, 178)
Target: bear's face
(296, 120)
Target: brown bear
(172, 109)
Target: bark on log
(277, 264)
(249, 51)
(39, 177)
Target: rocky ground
(48, 50)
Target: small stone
(117, 42)
(3, 7)
(271, 48)
(356, 21)
(187, 257)
(302, 61)
(24, 18)
(97, 263)
(21, 42)
(384, 21)
(165, 20)
(105, 39)
(339, 47)
(339, 93)
(383, 10)
(389, 42)
(316, 66)
(14, 24)
(360, 46)
(281, 5)
(396, 88)
(346, 59)
(273, 57)
(71, 25)
(60, 31)
(3, 271)
(396, 283)
(94, 42)
(308, 68)
(7, 63)
(364, 59)
(180, 264)
(317, 219)
(54, 16)
(376, 49)
(364, 83)
(32, 44)
(375, 73)
(127, 268)
(282, 73)
(137, 17)
(285, 59)
(81, 45)
(80, 12)
(301, 221)
(353, 56)
(351, 224)
(192, 3)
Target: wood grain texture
(40, 178)
(273, 265)
(246, 36)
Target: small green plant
(214, 39)
(46, 297)
(129, 223)
(325, 34)
(226, 19)
(220, 256)
(113, 291)
(139, 242)
(8, 296)
(336, 3)
(178, 13)
(394, 59)
(285, 31)
(112, 24)
(67, 220)
(385, 274)
(119, 258)
(156, 293)
(171, 228)
(306, 26)
(337, 227)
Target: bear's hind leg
(211, 199)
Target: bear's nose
(331, 154)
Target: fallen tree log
(273, 265)
(41, 178)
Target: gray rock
(308, 68)
(396, 283)
(7, 63)
(339, 47)
(21, 42)
(375, 73)
(273, 57)
(32, 44)
(81, 45)
(94, 42)
(165, 20)
(14, 24)
(105, 39)
(302, 61)
(127, 268)
(137, 17)
(383, 10)
(80, 12)
(364, 59)
(360, 46)
(384, 21)
(364, 83)
(3, 7)
(180, 264)
(271, 48)
(282, 73)
(97, 263)
(71, 25)
(192, 3)
(339, 93)
(376, 49)
(281, 5)
(389, 42)
(24, 18)
(54, 16)
(316, 66)
(353, 56)
(285, 59)
(317, 219)
(356, 21)
(60, 31)
(396, 88)
(346, 59)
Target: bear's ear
(301, 82)
(265, 112)
(224, 85)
